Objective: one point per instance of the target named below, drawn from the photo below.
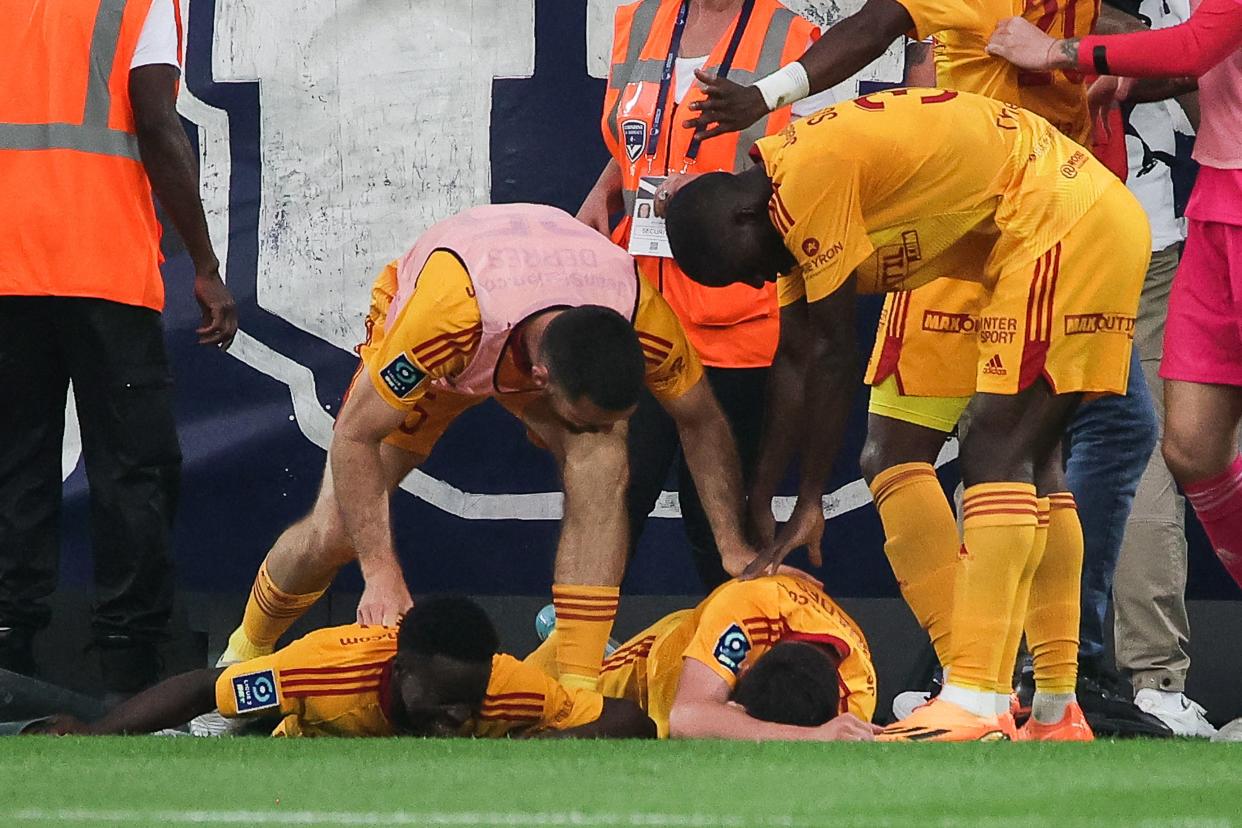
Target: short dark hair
(593, 352)
(695, 217)
(448, 625)
(790, 684)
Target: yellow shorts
(927, 341)
(937, 413)
(645, 669)
(1068, 315)
(431, 416)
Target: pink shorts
(1203, 335)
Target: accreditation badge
(647, 234)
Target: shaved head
(720, 233)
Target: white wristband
(784, 86)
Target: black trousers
(115, 356)
(654, 446)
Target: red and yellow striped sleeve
(673, 366)
(434, 334)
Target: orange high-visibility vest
(76, 213)
(735, 326)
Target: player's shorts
(645, 669)
(436, 409)
(936, 413)
(1068, 315)
(1203, 333)
(927, 338)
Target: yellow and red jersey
(336, 682)
(911, 185)
(440, 326)
(962, 30)
(728, 631)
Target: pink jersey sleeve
(1192, 48)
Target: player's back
(940, 180)
(1059, 96)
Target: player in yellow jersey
(438, 674)
(769, 658)
(926, 337)
(847, 201)
(522, 304)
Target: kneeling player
(772, 658)
(438, 674)
(845, 201)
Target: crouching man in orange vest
(88, 128)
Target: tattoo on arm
(1069, 53)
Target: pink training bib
(522, 259)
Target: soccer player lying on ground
(438, 674)
(522, 303)
(846, 201)
(773, 658)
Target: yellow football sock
(544, 656)
(270, 612)
(1053, 615)
(1004, 678)
(922, 544)
(584, 616)
(999, 530)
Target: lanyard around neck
(670, 61)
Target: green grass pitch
(257, 781)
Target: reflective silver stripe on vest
(769, 61)
(619, 75)
(629, 197)
(92, 135)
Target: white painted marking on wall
(359, 156)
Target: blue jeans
(1107, 446)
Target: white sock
(1002, 704)
(1049, 708)
(979, 702)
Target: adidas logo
(995, 366)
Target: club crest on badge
(635, 133)
(255, 691)
(731, 648)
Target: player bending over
(438, 674)
(524, 304)
(772, 658)
(844, 201)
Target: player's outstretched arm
(172, 702)
(619, 719)
(844, 50)
(361, 486)
(701, 710)
(711, 454)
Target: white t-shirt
(157, 43)
(683, 79)
(1154, 123)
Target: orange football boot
(1073, 727)
(1009, 726)
(942, 721)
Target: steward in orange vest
(88, 127)
(657, 45)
